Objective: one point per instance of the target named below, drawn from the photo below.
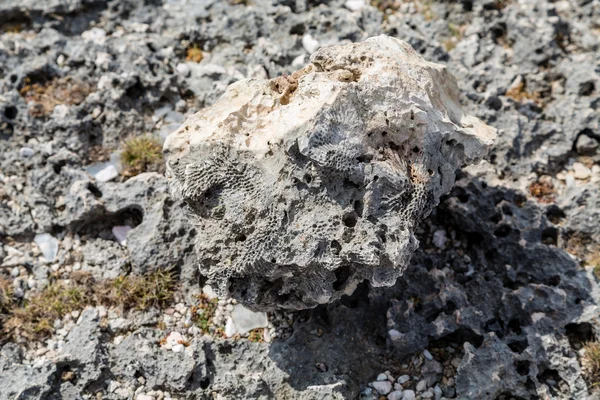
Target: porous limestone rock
(304, 185)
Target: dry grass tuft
(138, 292)
(142, 154)
(46, 96)
(543, 190)
(385, 5)
(6, 295)
(194, 54)
(456, 35)
(576, 244)
(13, 27)
(591, 363)
(35, 318)
(520, 94)
(584, 247)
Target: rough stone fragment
(159, 237)
(139, 354)
(84, 349)
(303, 186)
(395, 395)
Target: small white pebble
(96, 112)
(183, 69)
(437, 391)
(396, 395)
(178, 348)
(427, 395)
(382, 377)
(112, 386)
(310, 44)
(355, 5)
(394, 334)
(382, 387)
(427, 355)
(26, 152)
(439, 238)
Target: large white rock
(305, 185)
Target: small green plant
(204, 312)
(141, 154)
(256, 335)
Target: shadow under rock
(342, 342)
(501, 290)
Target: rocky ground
(99, 291)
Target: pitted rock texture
(305, 185)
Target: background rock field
(100, 295)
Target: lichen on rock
(304, 186)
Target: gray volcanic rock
(140, 354)
(526, 301)
(160, 238)
(303, 186)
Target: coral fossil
(304, 186)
